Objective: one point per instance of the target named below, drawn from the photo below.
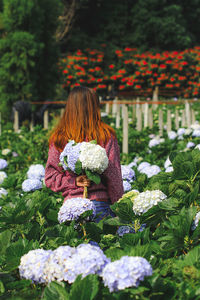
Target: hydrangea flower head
(5, 151)
(54, 268)
(3, 164)
(3, 192)
(145, 200)
(190, 145)
(36, 172)
(93, 157)
(169, 169)
(87, 260)
(196, 133)
(127, 173)
(32, 265)
(143, 165)
(172, 135)
(196, 221)
(151, 170)
(127, 186)
(126, 272)
(181, 131)
(73, 208)
(3, 175)
(167, 163)
(31, 185)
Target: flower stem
(85, 192)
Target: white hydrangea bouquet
(85, 158)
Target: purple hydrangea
(32, 265)
(72, 153)
(127, 173)
(129, 229)
(73, 208)
(31, 185)
(126, 185)
(126, 272)
(3, 164)
(87, 260)
(190, 145)
(36, 172)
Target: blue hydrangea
(126, 185)
(73, 208)
(126, 272)
(127, 173)
(143, 165)
(31, 185)
(129, 229)
(87, 260)
(32, 265)
(3, 192)
(3, 164)
(190, 145)
(72, 153)
(36, 172)
(151, 170)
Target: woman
(80, 122)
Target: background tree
(28, 51)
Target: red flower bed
(177, 71)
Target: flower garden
(175, 72)
(150, 250)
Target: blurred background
(120, 48)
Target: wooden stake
(160, 121)
(169, 120)
(46, 119)
(125, 129)
(16, 120)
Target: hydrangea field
(150, 250)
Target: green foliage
(27, 50)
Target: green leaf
(93, 176)
(93, 142)
(124, 210)
(84, 289)
(55, 290)
(78, 167)
(4, 241)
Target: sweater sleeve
(55, 178)
(113, 173)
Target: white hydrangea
(167, 163)
(197, 147)
(181, 131)
(145, 200)
(54, 268)
(143, 165)
(196, 221)
(36, 171)
(196, 133)
(155, 141)
(3, 192)
(195, 126)
(5, 151)
(3, 175)
(172, 135)
(169, 169)
(93, 157)
(188, 131)
(151, 170)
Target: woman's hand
(82, 180)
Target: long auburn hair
(81, 120)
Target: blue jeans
(103, 209)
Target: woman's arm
(55, 178)
(113, 172)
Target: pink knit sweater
(110, 188)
